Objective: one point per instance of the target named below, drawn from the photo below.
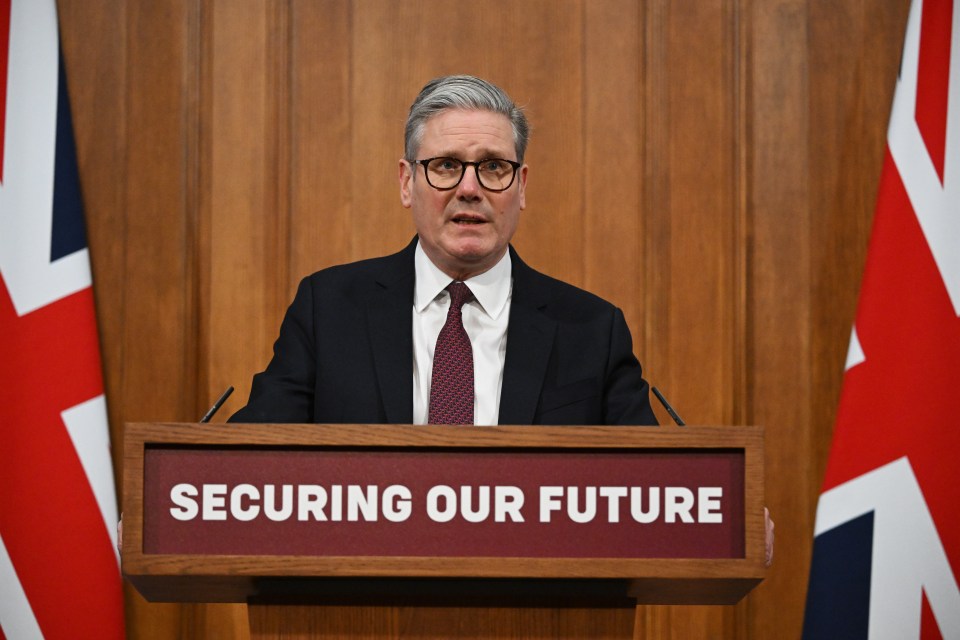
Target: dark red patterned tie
(451, 388)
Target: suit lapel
(390, 323)
(530, 337)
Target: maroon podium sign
(618, 504)
(227, 512)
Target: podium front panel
(236, 506)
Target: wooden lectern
(394, 531)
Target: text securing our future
(444, 503)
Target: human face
(464, 230)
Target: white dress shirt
(485, 320)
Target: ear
(522, 177)
(406, 183)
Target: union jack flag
(887, 544)
(59, 574)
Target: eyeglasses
(493, 174)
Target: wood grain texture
(321, 122)
(781, 362)
(446, 622)
(612, 166)
(227, 149)
(692, 151)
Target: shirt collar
(491, 288)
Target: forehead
(462, 132)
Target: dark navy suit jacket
(345, 353)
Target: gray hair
(462, 92)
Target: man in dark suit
(365, 342)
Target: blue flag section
(68, 235)
(838, 602)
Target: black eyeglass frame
(463, 171)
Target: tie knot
(460, 294)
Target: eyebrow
(484, 154)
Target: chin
(472, 251)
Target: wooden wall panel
(159, 328)
(244, 184)
(543, 69)
(229, 148)
(695, 220)
(780, 367)
(693, 217)
(656, 277)
(381, 61)
(241, 64)
(612, 218)
(321, 166)
(159, 332)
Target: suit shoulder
(565, 296)
(362, 274)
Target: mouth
(467, 219)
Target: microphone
(216, 405)
(666, 405)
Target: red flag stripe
(54, 536)
(933, 79)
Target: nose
(469, 187)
